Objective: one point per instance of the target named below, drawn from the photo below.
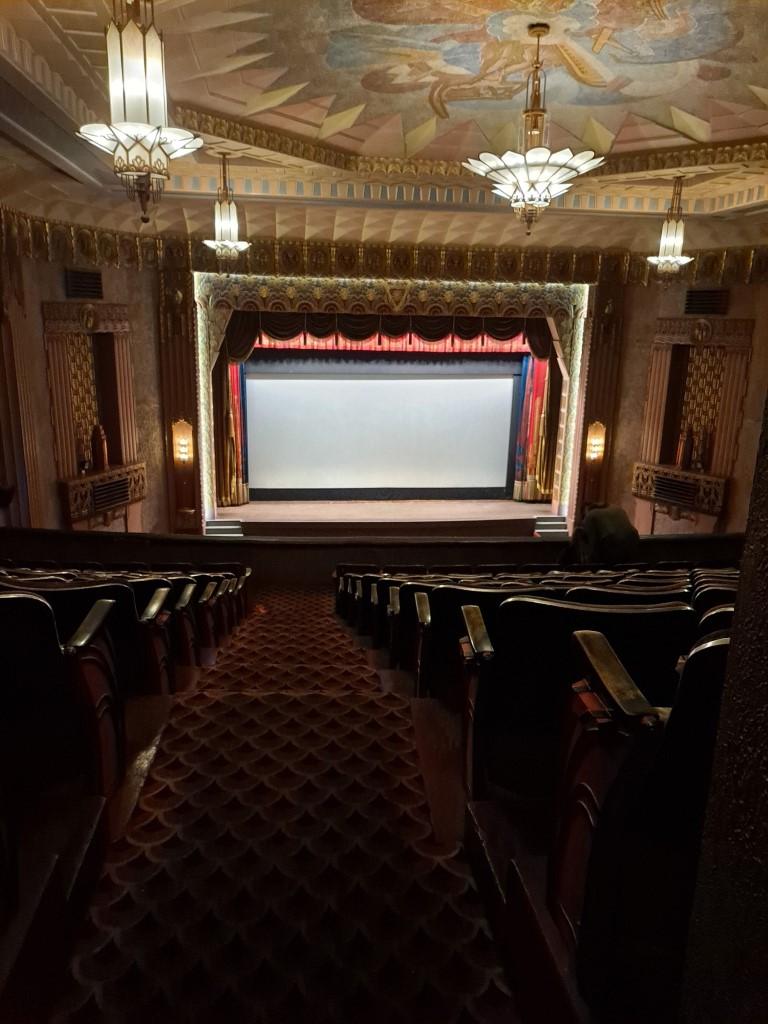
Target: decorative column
(600, 365)
(178, 377)
(728, 939)
(655, 403)
(129, 435)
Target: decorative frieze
(77, 245)
(86, 318)
(728, 332)
(102, 496)
(678, 488)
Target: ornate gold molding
(727, 332)
(73, 317)
(311, 151)
(75, 245)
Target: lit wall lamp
(183, 444)
(595, 442)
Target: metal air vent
(83, 284)
(706, 301)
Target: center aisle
(280, 866)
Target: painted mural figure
(462, 52)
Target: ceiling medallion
(534, 177)
(226, 244)
(137, 136)
(670, 258)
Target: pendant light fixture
(137, 136)
(226, 244)
(670, 259)
(532, 178)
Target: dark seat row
(586, 769)
(80, 646)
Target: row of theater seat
(589, 703)
(79, 645)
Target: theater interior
(383, 511)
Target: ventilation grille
(706, 301)
(83, 284)
(111, 494)
(682, 493)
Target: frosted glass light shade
(536, 177)
(670, 258)
(226, 244)
(138, 137)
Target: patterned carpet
(280, 866)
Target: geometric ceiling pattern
(349, 118)
(444, 78)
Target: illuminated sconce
(595, 442)
(183, 444)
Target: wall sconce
(183, 443)
(595, 442)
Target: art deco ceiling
(349, 118)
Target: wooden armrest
(155, 604)
(232, 586)
(358, 590)
(477, 632)
(608, 674)
(222, 588)
(90, 625)
(394, 601)
(207, 594)
(185, 597)
(422, 609)
(240, 583)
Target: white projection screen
(378, 433)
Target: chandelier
(670, 258)
(138, 137)
(531, 179)
(226, 244)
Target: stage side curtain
(538, 416)
(223, 435)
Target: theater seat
(61, 714)
(520, 678)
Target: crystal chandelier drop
(670, 258)
(138, 137)
(226, 244)
(534, 177)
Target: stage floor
(383, 511)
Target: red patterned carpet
(280, 866)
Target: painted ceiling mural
(441, 78)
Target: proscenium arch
(564, 306)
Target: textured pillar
(60, 386)
(655, 403)
(129, 437)
(728, 945)
(178, 375)
(601, 362)
(731, 412)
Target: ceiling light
(138, 137)
(226, 244)
(531, 179)
(670, 258)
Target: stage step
(223, 528)
(551, 527)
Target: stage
(411, 518)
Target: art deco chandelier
(531, 179)
(670, 258)
(137, 136)
(226, 244)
